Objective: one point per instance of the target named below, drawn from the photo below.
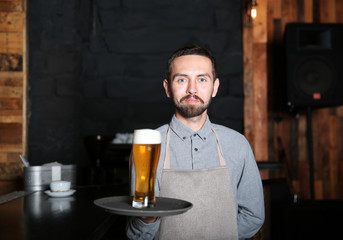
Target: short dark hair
(191, 50)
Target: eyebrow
(204, 75)
(179, 75)
(185, 75)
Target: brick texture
(96, 67)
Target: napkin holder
(37, 178)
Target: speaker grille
(314, 62)
(314, 77)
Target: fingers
(148, 219)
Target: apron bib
(213, 215)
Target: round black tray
(121, 205)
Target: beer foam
(146, 136)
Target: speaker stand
(310, 149)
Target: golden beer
(145, 153)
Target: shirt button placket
(196, 150)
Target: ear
(166, 87)
(215, 87)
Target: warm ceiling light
(253, 11)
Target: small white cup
(60, 186)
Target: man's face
(191, 85)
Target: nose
(191, 88)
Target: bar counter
(35, 215)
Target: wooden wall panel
(11, 78)
(304, 183)
(10, 133)
(11, 42)
(258, 90)
(287, 140)
(303, 176)
(321, 152)
(333, 156)
(11, 116)
(340, 152)
(260, 102)
(340, 180)
(308, 11)
(8, 157)
(288, 12)
(12, 88)
(338, 194)
(11, 92)
(11, 5)
(276, 5)
(8, 149)
(248, 85)
(339, 11)
(12, 21)
(11, 62)
(327, 11)
(282, 142)
(10, 104)
(260, 24)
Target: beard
(190, 111)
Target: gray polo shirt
(196, 150)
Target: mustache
(192, 96)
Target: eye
(181, 80)
(202, 80)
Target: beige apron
(213, 215)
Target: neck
(194, 123)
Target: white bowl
(60, 186)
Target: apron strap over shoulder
(166, 164)
(220, 152)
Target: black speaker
(314, 64)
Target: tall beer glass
(144, 159)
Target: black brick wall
(97, 66)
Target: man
(207, 164)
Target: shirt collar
(183, 132)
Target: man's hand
(148, 219)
